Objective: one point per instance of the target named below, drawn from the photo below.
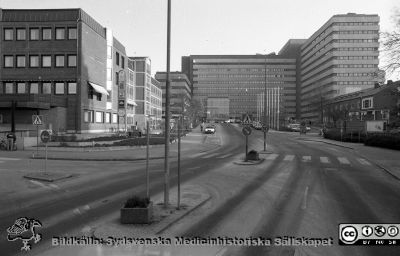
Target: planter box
(137, 215)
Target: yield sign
(247, 119)
(37, 119)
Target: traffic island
(192, 197)
(47, 176)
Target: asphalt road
(305, 189)
(302, 189)
(54, 207)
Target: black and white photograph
(199, 128)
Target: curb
(327, 142)
(387, 170)
(250, 163)
(183, 215)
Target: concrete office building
(148, 95)
(339, 58)
(227, 85)
(60, 64)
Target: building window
(34, 88)
(88, 116)
(21, 61)
(46, 88)
(115, 118)
(9, 88)
(46, 33)
(46, 61)
(34, 34)
(71, 60)
(8, 61)
(122, 62)
(72, 88)
(59, 88)
(21, 88)
(60, 60)
(8, 34)
(99, 117)
(60, 33)
(34, 61)
(108, 118)
(117, 58)
(21, 34)
(367, 103)
(72, 33)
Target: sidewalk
(386, 159)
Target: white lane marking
(9, 159)
(363, 161)
(343, 160)
(324, 160)
(197, 155)
(86, 229)
(306, 158)
(304, 205)
(209, 156)
(38, 183)
(288, 158)
(272, 156)
(225, 156)
(76, 211)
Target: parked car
(209, 129)
(294, 127)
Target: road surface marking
(363, 161)
(38, 183)
(324, 160)
(9, 159)
(343, 160)
(272, 157)
(306, 158)
(225, 156)
(197, 155)
(76, 211)
(304, 205)
(54, 186)
(209, 156)
(288, 158)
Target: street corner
(192, 197)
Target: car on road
(209, 129)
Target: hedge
(346, 137)
(391, 141)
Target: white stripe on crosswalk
(272, 156)
(324, 160)
(363, 161)
(288, 158)
(306, 158)
(8, 159)
(343, 160)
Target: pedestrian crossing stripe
(288, 158)
(343, 160)
(306, 158)
(324, 160)
(272, 157)
(363, 161)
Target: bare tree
(391, 46)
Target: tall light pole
(167, 110)
(265, 103)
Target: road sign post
(246, 131)
(45, 137)
(37, 120)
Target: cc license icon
(348, 234)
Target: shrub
(383, 140)
(334, 134)
(137, 202)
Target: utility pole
(167, 112)
(265, 103)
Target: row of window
(44, 33)
(352, 74)
(242, 75)
(354, 82)
(356, 57)
(241, 82)
(355, 24)
(58, 88)
(208, 70)
(356, 66)
(355, 41)
(35, 61)
(91, 116)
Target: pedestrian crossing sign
(37, 119)
(247, 119)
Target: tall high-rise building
(341, 57)
(227, 85)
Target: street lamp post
(265, 103)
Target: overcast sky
(212, 26)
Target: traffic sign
(247, 120)
(37, 119)
(265, 128)
(45, 136)
(121, 112)
(246, 130)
